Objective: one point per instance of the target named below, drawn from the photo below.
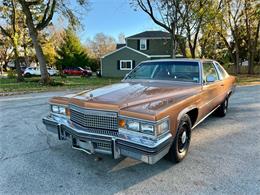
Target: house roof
(119, 45)
(126, 47)
(151, 34)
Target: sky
(113, 17)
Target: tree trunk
(250, 60)
(34, 36)
(17, 64)
(237, 59)
(252, 50)
(173, 37)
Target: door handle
(222, 85)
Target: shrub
(11, 74)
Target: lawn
(8, 85)
(248, 79)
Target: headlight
(55, 109)
(147, 128)
(133, 125)
(59, 109)
(136, 125)
(150, 128)
(62, 110)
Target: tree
(101, 45)
(121, 38)
(168, 16)
(70, 52)
(14, 23)
(193, 15)
(45, 12)
(252, 21)
(5, 51)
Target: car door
(212, 91)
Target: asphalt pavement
(224, 156)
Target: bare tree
(121, 38)
(101, 45)
(163, 13)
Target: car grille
(105, 120)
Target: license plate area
(83, 145)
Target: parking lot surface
(224, 156)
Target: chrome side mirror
(210, 78)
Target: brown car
(149, 115)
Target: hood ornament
(91, 96)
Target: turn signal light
(121, 123)
(67, 112)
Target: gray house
(140, 47)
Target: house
(143, 46)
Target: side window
(222, 71)
(209, 69)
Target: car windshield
(171, 70)
(80, 68)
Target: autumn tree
(5, 51)
(45, 11)
(100, 45)
(251, 15)
(13, 20)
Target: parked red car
(77, 71)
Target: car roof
(180, 59)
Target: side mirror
(210, 78)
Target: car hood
(142, 96)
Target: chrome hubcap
(183, 137)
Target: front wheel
(180, 146)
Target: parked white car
(35, 71)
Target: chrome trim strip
(205, 117)
(74, 105)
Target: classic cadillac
(148, 115)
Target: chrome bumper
(116, 144)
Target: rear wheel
(27, 74)
(180, 146)
(222, 109)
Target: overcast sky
(113, 17)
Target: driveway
(224, 156)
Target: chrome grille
(103, 146)
(94, 118)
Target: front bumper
(115, 143)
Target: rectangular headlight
(133, 125)
(58, 109)
(55, 109)
(147, 128)
(62, 110)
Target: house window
(126, 64)
(143, 44)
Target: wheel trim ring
(182, 147)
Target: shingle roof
(119, 45)
(151, 34)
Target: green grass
(245, 79)
(8, 85)
(33, 85)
